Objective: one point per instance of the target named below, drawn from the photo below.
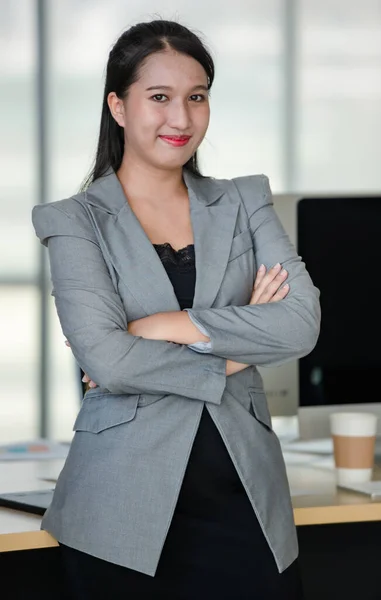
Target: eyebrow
(168, 87)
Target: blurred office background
(297, 96)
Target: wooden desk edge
(316, 515)
(27, 540)
(348, 513)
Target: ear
(116, 107)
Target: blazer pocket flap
(260, 407)
(147, 399)
(105, 410)
(240, 244)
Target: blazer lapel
(140, 266)
(128, 247)
(213, 230)
(136, 260)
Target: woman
(174, 486)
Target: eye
(197, 97)
(159, 98)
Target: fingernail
(84, 379)
(283, 272)
(277, 266)
(92, 384)
(261, 268)
(286, 286)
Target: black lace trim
(184, 257)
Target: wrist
(173, 326)
(178, 327)
(233, 367)
(147, 327)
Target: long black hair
(125, 59)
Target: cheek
(201, 119)
(144, 121)
(151, 115)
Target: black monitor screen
(340, 241)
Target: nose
(179, 115)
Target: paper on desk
(302, 492)
(321, 446)
(370, 488)
(308, 460)
(39, 449)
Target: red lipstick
(175, 140)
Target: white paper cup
(354, 436)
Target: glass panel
(64, 382)
(19, 363)
(18, 248)
(17, 140)
(245, 38)
(340, 96)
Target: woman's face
(166, 112)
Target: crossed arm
(94, 320)
(177, 326)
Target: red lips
(175, 140)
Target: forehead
(172, 69)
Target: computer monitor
(339, 238)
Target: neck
(147, 183)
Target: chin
(172, 164)
(173, 158)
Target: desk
(329, 505)
(321, 548)
(21, 530)
(325, 503)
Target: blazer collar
(107, 193)
(129, 248)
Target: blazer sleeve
(273, 333)
(94, 321)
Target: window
(307, 83)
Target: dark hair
(125, 59)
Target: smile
(175, 140)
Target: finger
(258, 280)
(260, 275)
(85, 378)
(281, 293)
(92, 384)
(273, 287)
(265, 282)
(265, 294)
(67, 344)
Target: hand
(85, 378)
(90, 383)
(268, 287)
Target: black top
(210, 472)
(181, 270)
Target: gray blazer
(117, 492)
